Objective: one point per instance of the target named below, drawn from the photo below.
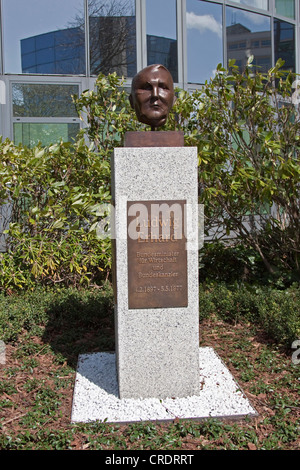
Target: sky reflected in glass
(262, 4)
(23, 20)
(204, 40)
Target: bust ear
(131, 101)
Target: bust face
(152, 95)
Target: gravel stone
(96, 396)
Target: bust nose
(155, 91)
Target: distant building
(63, 51)
(242, 42)
(56, 52)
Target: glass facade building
(51, 50)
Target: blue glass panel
(44, 41)
(28, 45)
(39, 25)
(45, 56)
(284, 43)
(28, 60)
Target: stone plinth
(156, 271)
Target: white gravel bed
(96, 394)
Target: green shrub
(276, 311)
(229, 263)
(56, 308)
(247, 133)
(58, 195)
(231, 303)
(279, 314)
(26, 311)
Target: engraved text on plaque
(157, 256)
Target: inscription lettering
(152, 270)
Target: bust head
(152, 95)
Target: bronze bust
(152, 95)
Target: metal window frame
(10, 119)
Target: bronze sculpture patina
(152, 95)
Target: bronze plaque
(157, 256)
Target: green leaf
(58, 224)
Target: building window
(32, 133)
(204, 39)
(285, 8)
(43, 37)
(251, 32)
(262, 4)
(44, 113)
(161, 30)
(284, 43)
(43, 100)
(112, 37)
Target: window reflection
(112, 33)
(161, 31)
(284, 43)
(248, 34)
(262, 4)
(30, 134)
(204, 39)
(44, 37)
(43, 100)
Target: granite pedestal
(156, 271)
